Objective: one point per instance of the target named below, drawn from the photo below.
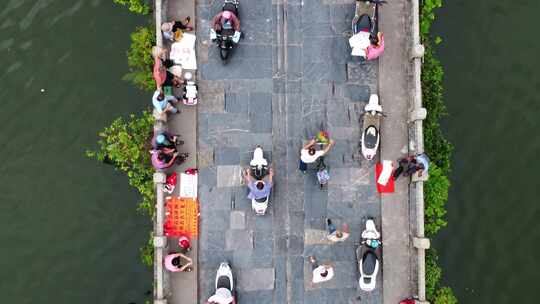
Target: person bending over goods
(258, 189)
(173, 262)
(162, 160)
(163, 103)
(376, 46)
(170, 29)
(309, 154)
(225, 20)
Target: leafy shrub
(427, 16)
(140, 60)
(435, 196)
(438, 148)
(445, 295)
(124, 144)
(433, 273)
(136, 6)
(147, 251)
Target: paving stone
(214, 199)
(248, 259)
(227, 156)
(342, 15)
(214, 220)
(363, 73)
(316, 10)
(237, 103)
(211, 240)
(324, 71)
(356, 92)
(256, 279)
(238, 220)
(281, 279)
(229, 176)
(238, 240)
(259, 297)
(263, 244)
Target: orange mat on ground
(181, 217)
(389, 187)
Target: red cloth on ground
(389, 188)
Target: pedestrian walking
(335, 235)
(321, 273)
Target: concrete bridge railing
(416, 136)
(160, 240)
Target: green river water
(69, 228)
(489, 251)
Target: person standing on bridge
(309, 154)
(335, 235)
(321, 273)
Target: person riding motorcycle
(225, 20)
(258, 189)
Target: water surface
(68, 225)
(489, 251)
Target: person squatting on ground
(309, 154)
(335, 235)
(225, 20)
(412, 164)
(173, 262)
(164, 139)
(173, 29)
(258, 189)
(321, 273)
(163, 103)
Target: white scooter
(368, 255)
(259, 169)
(224, 286)
(371, 126)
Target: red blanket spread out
(389, 188)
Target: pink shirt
(373, 51)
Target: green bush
(427, 15)
(435, 197)
(433, 273)
(445, 295)
(136, 6)
(125, 144)
(140, 60)
(438, 148)
(147, 251)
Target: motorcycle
(368, 255)
(364, 26)
(226, 39)
(224, 286)
(371, 127)
(259, 169)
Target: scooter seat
(261, 200)
(368, 262)
(370, 137)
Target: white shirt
(359, 43)
(306, 158)
(317, 278)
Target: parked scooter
(368, 255)
(259, 169)
(227, 37)
(224, 286)
(371, 127)
(364, 26)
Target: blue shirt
(255, 193)
(160, 105)
(424, 160)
